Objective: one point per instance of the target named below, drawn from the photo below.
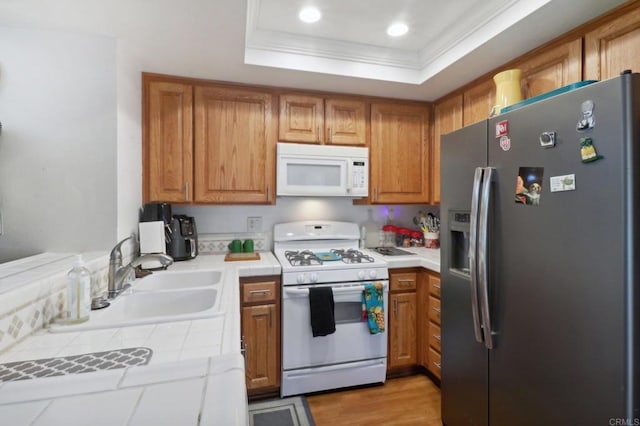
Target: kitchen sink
(173, 280)
(135, 308)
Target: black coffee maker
(181, 236)
(184, 238)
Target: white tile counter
(423, 257)
(195, 375)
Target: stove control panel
(320, 277)
(370, 274)
(303, 278)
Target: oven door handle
(336, 290)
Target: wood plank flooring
(413, 400)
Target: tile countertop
(424, 257)
(195, 375)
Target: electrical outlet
(254, 224)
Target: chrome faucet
(118, 273)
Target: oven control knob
(300, 278)
(373, 273)
(361, 275)
(313, 277)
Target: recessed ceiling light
(397, 29)
(309, 15)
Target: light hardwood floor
(413, 400)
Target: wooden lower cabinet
(402, 350)
(260, 325)
(429, 340)
(414, 321)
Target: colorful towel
(373, 307)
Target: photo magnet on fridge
(529, 185)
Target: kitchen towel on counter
(323, 320)
(373, 307)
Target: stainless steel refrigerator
(540, 256)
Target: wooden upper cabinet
(301, 118)
(542, 71)
(234, 150)
(447, 118)
(613, 46)
(551, 68)
(314, 119)
(346, 122)
(167, 142)
(399, 154)
(478, 101)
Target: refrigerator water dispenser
(459, 227)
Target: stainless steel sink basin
(173, 280)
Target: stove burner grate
(302, 258)
(353, 256)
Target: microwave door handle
(349, 177)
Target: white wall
(58, 143)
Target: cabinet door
(447, 118)
(428, 288)
(552, 68)
(259, 329)
(402, 336)
(301, 118)
(346, 122)
(234, 146)
(399, 153)
(167, 142)
(478, 102)
(613, 47)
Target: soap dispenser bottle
(78, 292)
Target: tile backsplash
(219, 243)
(29, 306)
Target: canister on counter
(403, 237)
(416, 239)
(389, 235)
(432, 239)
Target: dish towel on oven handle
(373, 307)
(322, 310)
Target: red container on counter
(416, 239)
(403, 237)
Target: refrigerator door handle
(483, 275)
(473, 248)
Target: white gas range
(325, 254)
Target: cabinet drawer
(403, 281)
(434, 336)
(434, 286)
(434, 362)
(259, 292)
(434, 310)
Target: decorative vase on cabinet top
(508, 90)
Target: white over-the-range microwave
(322, 170)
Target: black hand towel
(322, 311)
